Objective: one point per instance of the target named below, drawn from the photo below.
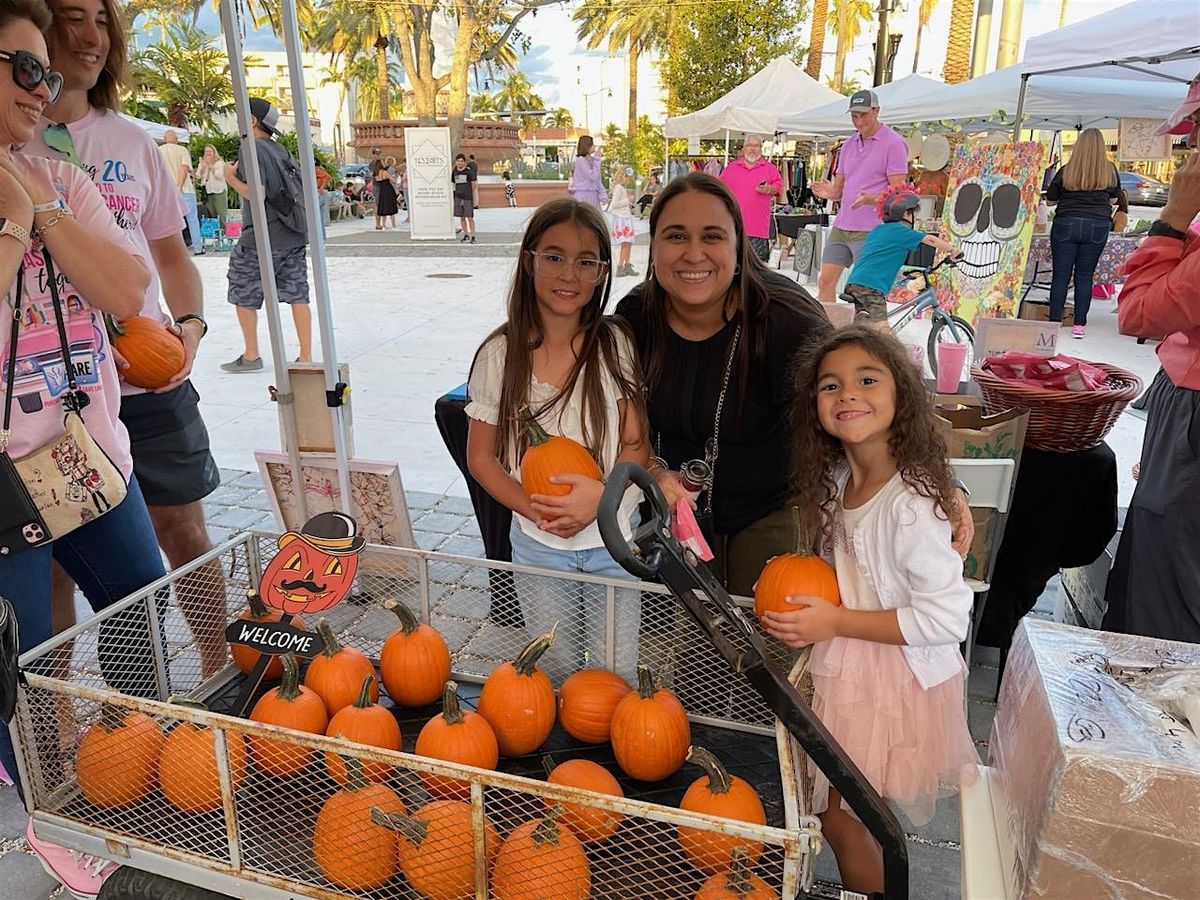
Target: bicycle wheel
(948, 329)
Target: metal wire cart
(256, 838)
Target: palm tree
(958, 45)
(847, 23)
(362, 70)
(188, 74)
(349, 29)
(816, 37)
(516, 93)
(1062, 14)
(559, 118)
(924, 13)
(635, 25)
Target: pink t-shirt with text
(124, 163)
(756, 207)
(866, 166)
(37, 413)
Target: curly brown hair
(914, 440)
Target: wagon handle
(626, 554)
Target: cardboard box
(969, 433)
(1101, 784)
(1082, 589)
(1039, 311)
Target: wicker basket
(1062, 421)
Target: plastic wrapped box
(1103, 786)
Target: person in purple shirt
(586, 184)
(875, 158)
(755, 183)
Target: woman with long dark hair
(586, 184)
(716, 332)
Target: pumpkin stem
(364, 701)
(646, 687)
(332, 647)
(526, 662)
(112, 717)
(718, 778)
(289, 689)
(546, 831)
(413, 829)
(356, 775)
(548, 764)
(254, 601)
(408, 622)
(537, 434)
(114, 328)
(737, 879)
(451, 711)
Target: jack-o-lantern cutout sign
(314, 568)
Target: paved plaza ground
(408, 332)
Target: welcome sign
(430, 193)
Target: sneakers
(1077, 332)
(241, 364)
(472, 239)
(627, 270)
(464, 238)
(80, 873)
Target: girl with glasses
(575, 370)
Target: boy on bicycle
(883, 254)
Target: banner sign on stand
(430, 193)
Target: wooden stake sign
(312, 571)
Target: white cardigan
(902, 545)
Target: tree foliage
(187, 74)
(643, 150)
(715, 47)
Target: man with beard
(755, 183)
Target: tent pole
(726, 146)
(262, 241)
(316, 241)
(1020, 107)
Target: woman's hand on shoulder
(569, 514)
(963, 525)
(812, 620)
(15, 201)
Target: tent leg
(726, 146)
(262, 240)
(1020, 108)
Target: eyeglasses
(555, 265)
(28, 72)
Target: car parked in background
(357, 175)
(1142, 190)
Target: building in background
(330, 106)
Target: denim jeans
(193, 222)
(580, 610)
(1076, 243)
(109, 558)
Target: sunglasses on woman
(28, 72)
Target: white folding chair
(991, 484)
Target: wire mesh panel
(110, 745)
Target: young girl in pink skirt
(873, 491)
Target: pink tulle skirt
(912, 744)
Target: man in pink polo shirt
(755, 183)
(873, 159)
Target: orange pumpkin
(793, 574)
(650, 731)
(518, 700)
(289, 706)
(717, 793)
(337, 672)
(586, 702)
(738, 883)
(414, 661)
(350, 848)
(590, 823)
(548, 455)
(542, 859)
(437, 848)
(363, 722)
(117, 764)
(246, 658)
(187, 766)
(459, 737)
(153, 351)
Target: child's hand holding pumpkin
(569, 514)
(814, 619)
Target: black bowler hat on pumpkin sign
(334, 533)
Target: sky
(562, 70)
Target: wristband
(1162, 229)
(192, 317)
(49, 206)
(657, 462)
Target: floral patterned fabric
(1108, 271)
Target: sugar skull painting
(990, 209)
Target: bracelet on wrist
(61, 214)
(49, 206)
(192, 317)
(656, 463)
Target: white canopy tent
(157, 130)
(755, 105)
(1147, 40)
(834, 118)
(1052, 102)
